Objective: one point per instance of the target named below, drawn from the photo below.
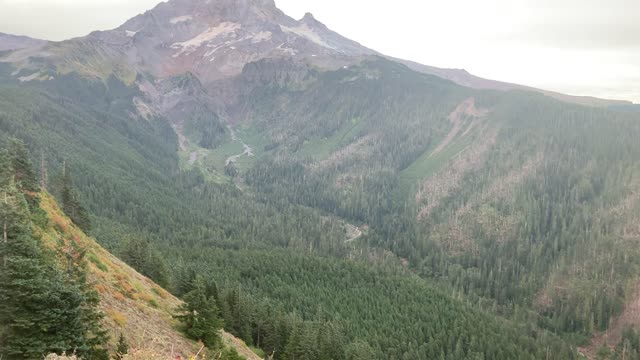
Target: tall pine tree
(70, 204)
(93, 344)
(38, 311)
(200, 316)
(43, 309)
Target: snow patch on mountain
(215, 49)
(34, 76)
(180, 19)
(307, 32)
(190, 46)
(287, 49)
(254, 38)
(130, 33)
(230, 44)
(261, 36)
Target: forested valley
(492, 225)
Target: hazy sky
(581, 47)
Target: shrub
(99, 264)
(117, 317)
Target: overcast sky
(581, 47)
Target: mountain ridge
(216, 38)
(10, 42)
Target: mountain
(212, 39)
(344, 204)
(215, 39)
(13, 42)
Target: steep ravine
(248, 150)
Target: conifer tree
(238, 315)
(38, 309)
(43, 309)
(44, 174)
(199, 316)
(70, 204)
(24, 175)
(359, 351)
(140, 254)
(230, 353)
(95, 337)
(293, 349)
(122, 348)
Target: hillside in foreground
(133, 304)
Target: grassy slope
(320, 149)
(133, 304)
(212, 161)
(430, 163)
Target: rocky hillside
(134, 305)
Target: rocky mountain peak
(266, 3)
(213, 40)
(312, 22)
(229, 9)
(308, 17)
(231, 3)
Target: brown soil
(630, 318)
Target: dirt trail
(248, 150)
